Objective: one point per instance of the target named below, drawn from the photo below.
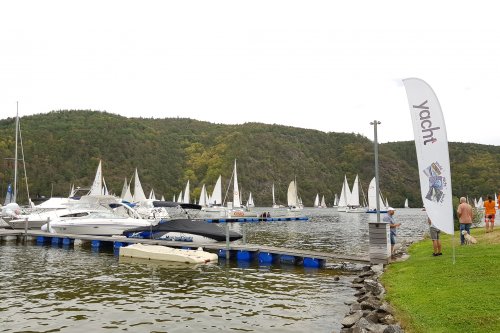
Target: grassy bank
(431, 294)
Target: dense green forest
(64, 147)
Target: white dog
(468, 238)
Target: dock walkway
(243, 252)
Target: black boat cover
(195, 227)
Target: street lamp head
(375, 122)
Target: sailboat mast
(15, 154)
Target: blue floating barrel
(265, 257)
(269, 219)
(303, 218)
(222, 220)
(185, 248)
(243, 255)
(209, 220)
(285, 258)
(312, 262)
(95, 243)
(222, 253)
(40, 239)
(117, 245)
(241, 220)
(55, 240)
(67, 241)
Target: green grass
(431, 294)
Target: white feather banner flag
(432, 153)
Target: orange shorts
(489, 218)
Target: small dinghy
(165, 253)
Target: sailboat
(345, 195)
(293, 200)
(250, 203)
(275, 205)
(152, 195)
(138, 191)
(11, 210)
(372, 199)
(316, 201)
(126, 194)
(186, 194)
(236, 192)
(353, 203)
(323, 203)
(216, 197)
(203, 197)
(406, 203)
(236, 210)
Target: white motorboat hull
(158, 252)
(94, 227)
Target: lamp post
(375, 148)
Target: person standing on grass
(393, 225)
(464, 212)
(489, 214)
(436, 242)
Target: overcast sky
(327, 65)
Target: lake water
(55, 289)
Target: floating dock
(264, 255)
(256, 219)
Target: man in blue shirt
(393, 225)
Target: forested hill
(64, 147)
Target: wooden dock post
(380, 245)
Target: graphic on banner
(437, 182)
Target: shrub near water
(431, 294)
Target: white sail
(336, 200)
(138, 191)
(323, 203)
(250, 202)
(124, 189)
(203, 197)
(316, 201)
(496, 201)
(292, 200)
(372, 197)
(152, 195)
(162, 198)
(344, 194)
(72, 192)
(186, 194)
(104, 187)
(180, 198)
(126, 194)
(216, 197)
(96, 188)
(354, 197)
(480, 203)
(431, 144)
(9, 196)
(406, 203)
(174, 199)
(236, 192)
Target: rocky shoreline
(371, 313)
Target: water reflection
(75, 289)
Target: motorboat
(185, 229)
(98, 223)
(112, 221)
(62, 208)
